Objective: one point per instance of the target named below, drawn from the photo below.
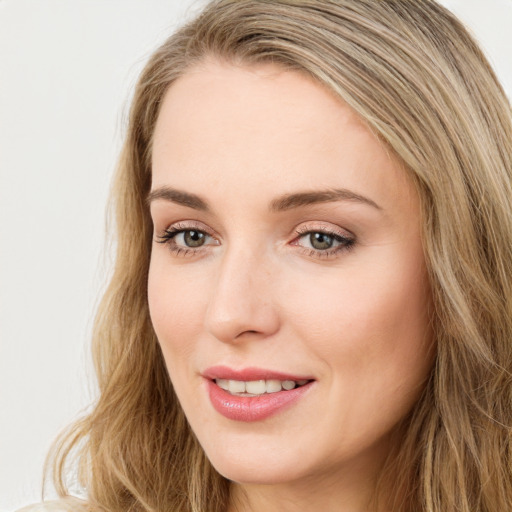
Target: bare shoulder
(56, 506)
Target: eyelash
(346, 243)
(168, 236)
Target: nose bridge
(242, 299)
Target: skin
(259, 294)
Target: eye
(190, 238)
(323, 242)
(185, 239)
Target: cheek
(371, 323)
(176, 307)
(371, 331)
(177, 310)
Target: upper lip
(249, 374)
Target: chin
(244, 473)
(260, 464)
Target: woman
(312, 302)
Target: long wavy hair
(412, 72)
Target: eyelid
(323, 227)
(346, 240)
(185, 225)
(170, 233)
(343, 239)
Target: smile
(258, 387)
(253, 394)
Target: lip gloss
(251, 408)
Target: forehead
(273, 129)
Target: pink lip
(223, 372)
(248, 408)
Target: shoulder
(53, 506)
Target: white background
(67, 69)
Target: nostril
(248, 332)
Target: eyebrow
(282, 203)
(178, 196)
(296, 200)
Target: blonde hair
(412, 72)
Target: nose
(241, 305)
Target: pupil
(320, 241)
(194, 238)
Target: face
(287, 284)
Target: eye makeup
(188, 238)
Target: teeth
(257, 387)
(223, 383)
(236, 386)
(273, 386)
(288, 384)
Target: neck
(262, 498)
(353, 490)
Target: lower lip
(253, 408)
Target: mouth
(253, 394)
(252, 388)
